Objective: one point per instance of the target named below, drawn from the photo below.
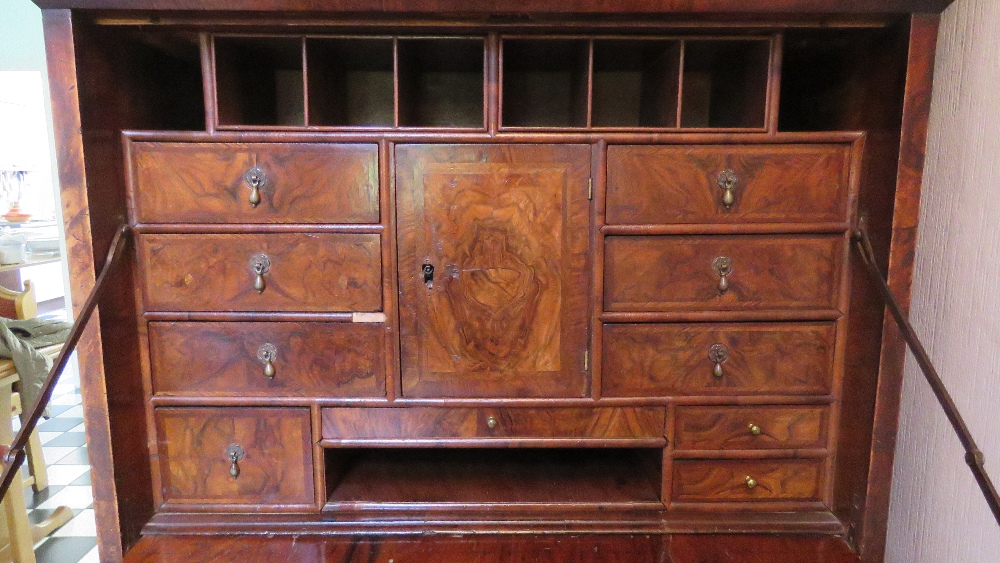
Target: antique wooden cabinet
(469, 268)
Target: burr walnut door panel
(295, 183)
(505, 229)
(272, 448)
(727, 184)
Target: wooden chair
(21, 535)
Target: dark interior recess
(259, 81)
(724, 84)
(545, 82)
(442, 82)
(635, 83)
(350, 82)
(424, 476)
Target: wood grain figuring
(725, 480)
(768, 272)
(304, 183)
(276, 472)
(653, 185)
(506, 229)
(414, 423)
(672, 359)
(313, 359)
(308, 272)
(729, 428)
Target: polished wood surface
(676, 273)
(649, 185)
(275, 474)
(308, 272)
(505, 228)
(303, 183)
(673, 359)
(750, 428)
(427, 423)
(726, 480)
(311, 359)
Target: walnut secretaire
(437, 266)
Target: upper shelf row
(544, 82)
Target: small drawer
(254, 183)
(652, 185)
(750, 428)
(722, 273)
(642, 360)
(267, 359)
(432, 423)
(235, 458)
(312, 272)
(747, 480)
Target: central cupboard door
(493, 269)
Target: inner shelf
(470, 477)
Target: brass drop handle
(491, 423)
(751, 482)
(235, 453)
(723, 267)
(718, 353)
(754, 429)
(254, 179)
(260, 264)
(727, 180)
(267, 353)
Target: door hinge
(590, 188)
(586, 360)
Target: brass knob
(267, 353)
(723, 266)
(727, 180)
(751, 482)
(260, 264)
(254, 179)
(235, 453)
(754, 429)
(718, 353)
(491, 422)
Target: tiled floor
(65, 450)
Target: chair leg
(19, 532)
(36, 460)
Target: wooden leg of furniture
(36, 461)
(20, 539)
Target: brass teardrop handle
(260, 264)
(254, 179)
(235, 453)
(727, 180)
(267, 353)
(718, 353)
(754, 429)
(723, 266)
(751, 482)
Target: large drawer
(747, 480)
(750, 428)
(305, 272)
(687, 273)
(297, 183)
(770, 184)
(641, 360)
(230, 359)
(273, 450)
(434, 423)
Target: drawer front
(301, 183)
(310, 272)
(750, 428)
(747, 480)
(641, 360)
(650, 185)
(276, 468)
(682, 273)
(229, 359)
(456, 423)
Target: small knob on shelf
(491, 423)
(754, 429)
(751, 482)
